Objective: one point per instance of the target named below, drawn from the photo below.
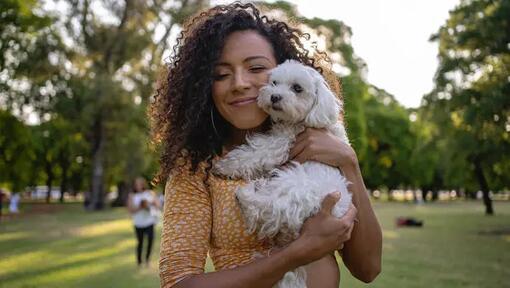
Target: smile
(243, 101)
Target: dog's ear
(326, 108)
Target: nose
(275, 98)
(240, 81)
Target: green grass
(73, 248)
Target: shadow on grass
(47, 267)
(72, 248)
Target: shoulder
(185, 176)
(184, 167)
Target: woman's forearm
(362, 253)
(261, 273)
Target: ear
(327, 107)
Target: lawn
(65, 246)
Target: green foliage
(470, 103)
(29, 45)
(91, 90)
(355, 92)
(390, 142)
(16, 152)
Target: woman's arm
(319, 237)
(155, 200)
(262, 273)
(362, 253)
(130, 205)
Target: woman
(143, 204)
(206, 106)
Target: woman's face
(241, 71)
(139, 185)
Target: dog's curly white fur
(277, 201)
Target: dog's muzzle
(275, 98)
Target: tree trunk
(63, 183)
(415, 196)
(123, 190)
(435, 194)
(484, 186)
(49, 181)
(424, 193)
(96, 193)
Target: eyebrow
(245, 60)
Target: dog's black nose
(275, 98)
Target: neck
(238, 136)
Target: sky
(391, 36)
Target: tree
(16, 152)
(472, 87)
(390, 142)
(106, 68)
(120, 74)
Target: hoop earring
(214, 126)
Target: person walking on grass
(14, 202)
(143, 205)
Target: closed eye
(257, 69)
(219, 77)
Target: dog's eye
(274, 83)
(297, 88)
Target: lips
(243, 101)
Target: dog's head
(297, 93)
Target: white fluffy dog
(276, 202)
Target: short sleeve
(187, 222)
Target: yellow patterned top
(200, 219)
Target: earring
(214, 126)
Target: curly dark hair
(181, 109)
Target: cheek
(261, 79)
(218, 91)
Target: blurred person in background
(13, 203)
(144, 206)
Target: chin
(252, 122)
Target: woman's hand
(322, 146)
(323, 233)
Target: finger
(350, 231)
(329, 202)
(303, 135)
(347, 235)
(310, 133)
(350, 215)
(302, 157)
(297, 149)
